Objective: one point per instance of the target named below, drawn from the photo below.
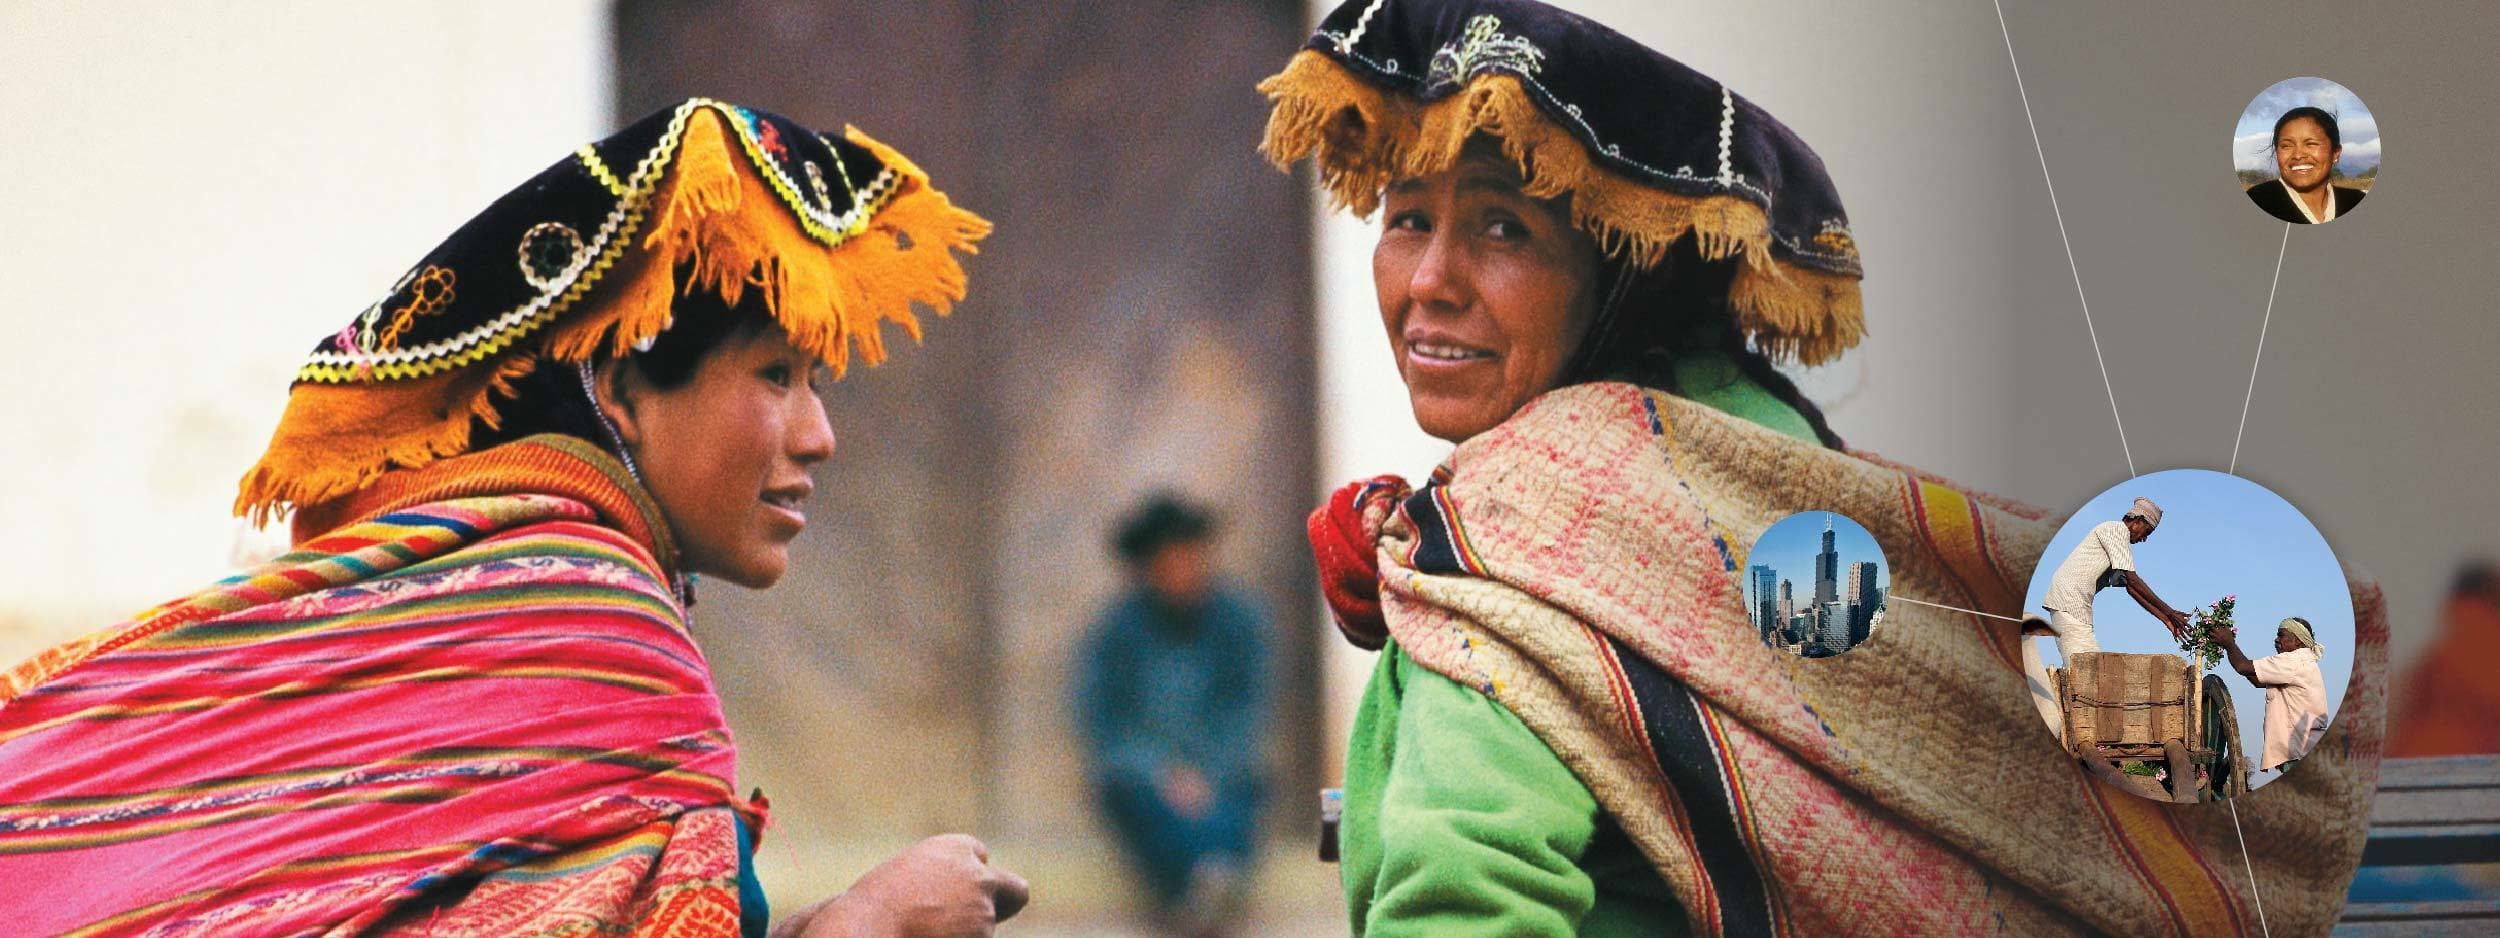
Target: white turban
(2145, 509)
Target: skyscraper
(1833, 632)
(1826, 569)
(1788, 603)
(1861, 596)
(1764, 605)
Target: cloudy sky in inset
(2252, 144)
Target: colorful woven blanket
(476, 715)
(1580, 564)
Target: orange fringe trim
(335, 439)
(712, 215)
(1362, 138)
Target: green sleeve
(1474, 826)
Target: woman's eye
(1409, 221)
(1505, 229)
(777, 373)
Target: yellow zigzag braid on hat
(715, 223)
(720, 223)
(1363, 138)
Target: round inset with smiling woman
(2306, 151)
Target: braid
(1682, 303)
(1758, 366)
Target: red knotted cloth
(1343, 534)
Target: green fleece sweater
(1459, 820)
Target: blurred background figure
(2443, 705)
(1170, 701)
(2431, 843)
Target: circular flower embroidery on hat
(548, 251)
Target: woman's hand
(943, 887)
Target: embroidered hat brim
(1649, 151)
(840, 235)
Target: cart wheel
(2229, 769)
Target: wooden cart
(2156, 710)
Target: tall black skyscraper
(1826, 569)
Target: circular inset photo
(2191, 632)
(2306, 151)
(1815, 583)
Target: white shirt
(2296, 712)
(2303, 206)
(2104, 549)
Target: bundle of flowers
(2197, 642)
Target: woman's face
(2303, 155)
(1485, 292)
(726, 454)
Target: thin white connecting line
(2252, 869)
(2234, 470)
(2061, 237)
(1953, 608)
(2261, 356)
(2077, 273)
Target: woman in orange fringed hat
(468, 702)
(1589, 258)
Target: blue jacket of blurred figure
(1165, 691)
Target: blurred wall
(197, 193)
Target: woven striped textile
(479, 715)
(1580, 565)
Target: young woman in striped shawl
(1589, 257)
(469, 701)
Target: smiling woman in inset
(1589, 258)
(2307, 145)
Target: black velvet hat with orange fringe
(1650, 152)
(838, 232)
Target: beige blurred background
(200, 191)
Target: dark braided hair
(1649, 316)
